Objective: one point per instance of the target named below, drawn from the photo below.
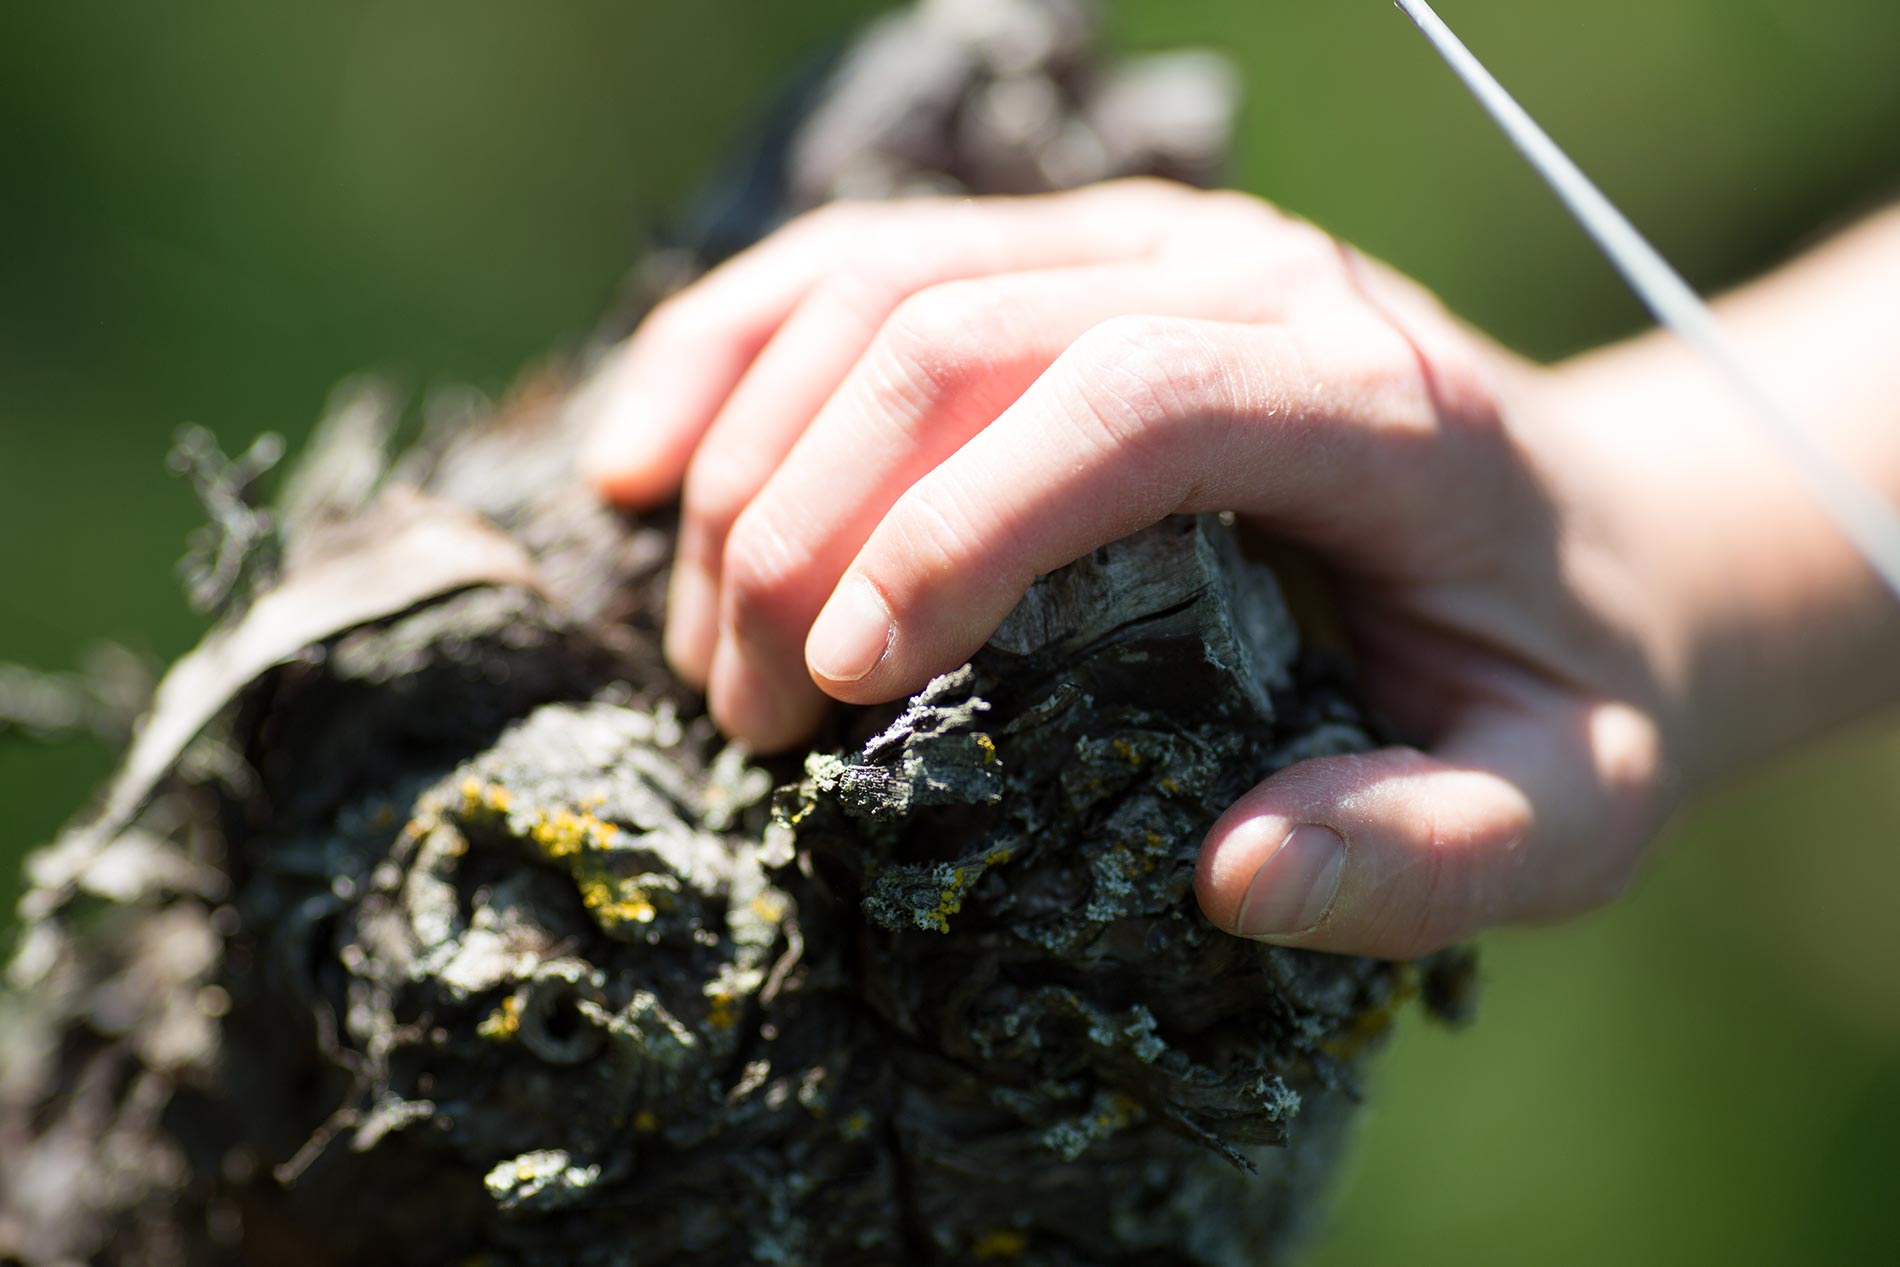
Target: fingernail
(851, 634)
(1295, 886)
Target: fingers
(889, 424)
(1327, 434)
(946, 364)
(1534, 808)
(851, 264)
(908, 249)
(651, 402)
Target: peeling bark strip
(402, 551)
(431, 922)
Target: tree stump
(430, 921)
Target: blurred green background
(212, 211)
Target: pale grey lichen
(539, 1182)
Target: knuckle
(932, 534)
(1231, 207)
(830, 220)
(760, 572)
(1141, 192)
(717, 491)
(1390, 384)
(878, 262)
(950, 541)
(1459, 874)
(900, 250)
(1366, 377)
(1294, 255)
(1442, 909)
(952, 315)
(1229, 216)
(941, 339)
(1140, 380)
(1291, 273)
(1305, 241)
(864, 287)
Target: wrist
(1757, 624)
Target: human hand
(888, 419)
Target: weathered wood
(459, 935)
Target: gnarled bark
(430, 921)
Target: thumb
(1518, 815)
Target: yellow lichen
(421, 825)
(1127, 751)
(483, 800)
(614, 899)
(562, 833)
(722, 1007)
(1004, 1242)
(769, 907)
(575, 838)
(1116, 1111)
(504, 1022)
(989, 748)
(1371, 1025)
(950, 896)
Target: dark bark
(430, 921)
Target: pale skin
(1586, 589)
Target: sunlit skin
(1586, 589)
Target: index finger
(1327, 438)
